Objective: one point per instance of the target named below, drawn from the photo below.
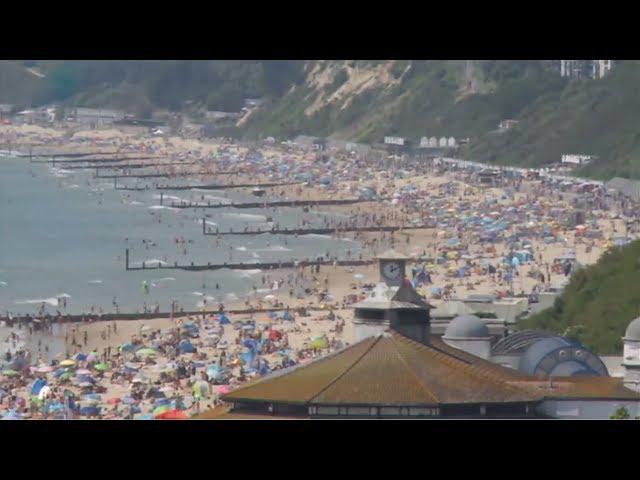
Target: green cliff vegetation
(598, 303)
(364, 100)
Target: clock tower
(392, 267)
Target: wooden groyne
(247, 266)
(226, 186)
(69, 154)
(118, 166)
(317, 231)
(108, 317)
(158, 175)
(276, 203)
(93, 160)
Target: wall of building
(587, 409)
(506, 311)
(480, 347)
(366, 330)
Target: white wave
(162, 207)
(63, 171)
(3, 284)
(95, 282)
(164, 279)
(209, 300)
(73, 186)
(208, 222)
(213, 198)
(255, 255)
(168, 197)
(316, 235)
(51, 301)
(241, 248)
(136, 203)
(231, 296)
(273, 248)
(197, 294)
(246, 216)
(152, 261)
(248, 273)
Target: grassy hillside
(142, 85)
(600, 117)
(365, 100)
(599, 302)
(409, 98)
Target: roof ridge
(344, 372)
(408, 367)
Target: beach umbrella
(127, 347)
(319, 342)
(128, 400)
(80, 357)
(114, 401)
(66, 376)
(54, 407)
(12, 415)
(83, 371)
(173, 415)
(201, 389)
(85, 384)
(37, 386)
(44, 369)
(146, 416)
(92, 357)
(161, 409)
(67, 363)
(224, 320)
(186, 347)
(89, 411)
(10, 373)
(146, 352)
(101, 367)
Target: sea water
(63, 233)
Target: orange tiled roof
(391, 369)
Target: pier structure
(317, 231)
(246, 266)
(276, 203)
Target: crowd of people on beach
(518, 235)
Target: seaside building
(96, 117)
(398, 369)
(631, 356)
(507, 124)
(585, 68)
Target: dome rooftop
(466, 326)
(633, 330)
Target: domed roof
(466, 326)
(633, 330)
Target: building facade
(594, 69)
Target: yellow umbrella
(67, 363)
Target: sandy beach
(506, 240)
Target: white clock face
(392, 270)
